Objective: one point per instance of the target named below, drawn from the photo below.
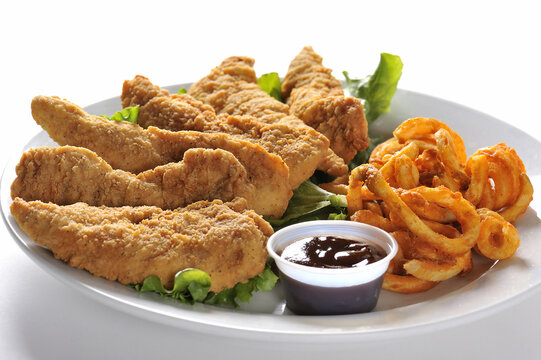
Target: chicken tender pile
(231, 88)
(129, 147)
(301, 148)
(185, 186)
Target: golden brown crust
(316, 97)
(301, 148)
(128, 244)
(66, 175)
(139, 91)
(129, 147)
(231, 88)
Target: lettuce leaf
(310, 202)
(271, 84)
(192, 285)
(182, 91)
(129, 114)
(377, 89)
(242, 292)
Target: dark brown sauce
(332, 252)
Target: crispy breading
(302, 148)
(128, 244)
(316, 97)
(129, 147)
(232, 88)
(66, 175)
(139, 91)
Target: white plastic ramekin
(312, 290)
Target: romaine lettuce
(377, 89)
(129, 114)
(271, 84)
(310, 202)
(192, 285)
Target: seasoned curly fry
(396, 279)
(499, 181)
(463, 210)
(426, 194)
(425, 129)
(431, 270)
(498, 239)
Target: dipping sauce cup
(313, 290)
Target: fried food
(301, 148)
(428, 153)
(129, 147)
(499, 181)
(424, 129)
(396, 278)
(128, 244)
(66, 175)
(316, 97)
(498, 239)
(231, 88)
(437, 204)
(465, 213)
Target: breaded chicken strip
(129, 147)
(302, 148)
(232, 88)
(128, 244)
(316, 97)
(66, 175)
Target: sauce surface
(332, 252)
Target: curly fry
(431, 270)
(499, 181)
(498, 239)
(463, 210)
(424, 129)
(512, 212)
(424, 209)
(380, 152)
(371, 218)
(395, 278)
(477, 168)
(447, 153)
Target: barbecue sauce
(332, 252)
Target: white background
(485, 55)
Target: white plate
(486, 289)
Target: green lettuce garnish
(129, 114)
(335, 216)
(310, 202)
(192, 285)
(271, 84)
(242, 292)
(182, 91)
(377, 89)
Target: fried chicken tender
(316, 97)
(301, 148)
(66, 175)
(128, 244)
(129, 147)
(231, 88)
